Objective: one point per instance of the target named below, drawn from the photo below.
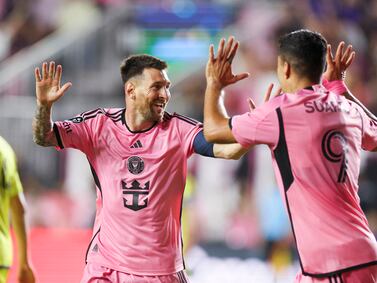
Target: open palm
(47, 86)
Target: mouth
(160, 106)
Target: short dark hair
(305, 50)
(134, 65)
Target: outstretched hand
(219, 68)
(336, 67)
(47, 86)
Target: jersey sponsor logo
(137, 144)
(335, 149)
(135, 165)
(67, 127)
(136, 191)
(77, 119)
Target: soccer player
(12, 201)
(315, 136)
(138, 157)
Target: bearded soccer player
(12, 203)
(138, 157)
(315, 135)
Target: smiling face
(151, 94)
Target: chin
(158, 116)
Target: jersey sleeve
(10, 179)
(15, 183)
(257, 127)
(75, 133)
(369, 138)
(188, 129)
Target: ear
(287, 70)
(129, 90)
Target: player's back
(318, 159)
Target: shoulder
(180, 119)
(265, 113)
(269, 107)
(7, 153)
(114, 114)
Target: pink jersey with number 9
(315, 138)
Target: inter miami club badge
(135, 165)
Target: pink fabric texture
(94, 273)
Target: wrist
(214, 85)
(43, 104)
(337, 86)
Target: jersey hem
(347, 269)
(136, 272)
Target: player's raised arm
(336, 72)
(235, 150)
(48, 90)
(219, 75)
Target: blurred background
(235, 226)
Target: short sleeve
(9, 174)
(369, 138)
(15, 183)
(188, 129)
(257, 127)
(74, 133)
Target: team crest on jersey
(77, 119)
(135, 165)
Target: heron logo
(135, 165)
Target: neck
(136, 122)
(301, 84)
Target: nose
(165, 93)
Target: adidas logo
(137, 144)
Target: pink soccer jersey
(315, 138)
(140, 179)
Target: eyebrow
(163, 82)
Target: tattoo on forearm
(42, 127)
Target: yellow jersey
(10, 186)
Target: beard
(153, 113)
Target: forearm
(19, 226)
(42, 127)
(229, 151)
(216, 122)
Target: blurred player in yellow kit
(12, 201)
